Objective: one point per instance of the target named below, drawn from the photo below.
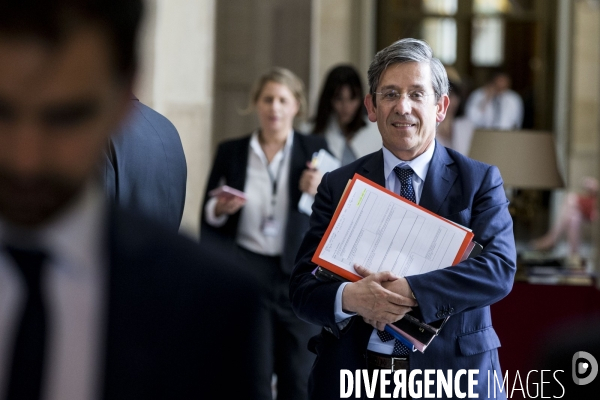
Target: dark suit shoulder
(152, 116)
(132, 235)
(174, 303)
(464, 160)
(357, 166)
(467, 168)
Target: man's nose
(403, 104)
(26, 148)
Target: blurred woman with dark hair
(341, 117)
(456, 130)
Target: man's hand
(401, 287)
(228, 205)
(377, 305)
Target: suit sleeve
(217, 172)
(313, 300)
(480, 281)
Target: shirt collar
(73, 238)
(420, 164)
(255, 144)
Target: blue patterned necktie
(406, 187)
(408, 192)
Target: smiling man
(408, 97)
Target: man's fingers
(399, 300)
(362, 271)
(388, 316)
(386, 276)
(378, 277)
(380, 326)
(405, 301)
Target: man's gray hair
(408, 50)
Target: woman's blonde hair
(285, 77)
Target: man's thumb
(362, 271)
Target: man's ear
(442, 108)
(371, 109)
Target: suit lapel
(373, 169)
(439, 180)
(237, 175)
(299, 157)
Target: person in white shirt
(495, 105)
(341, 117)
(265, 229)
(456, 130)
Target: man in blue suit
(145, 167)
(408, 97)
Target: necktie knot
(405, 176)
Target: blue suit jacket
(145, 168)
(458, 188)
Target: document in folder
(382, 231)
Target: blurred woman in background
(266, 228)
(341, 116)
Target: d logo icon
(582, 367)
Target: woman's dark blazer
(231, 164)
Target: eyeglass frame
(400, 95)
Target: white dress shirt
(420, 166)
(504, 111)
(258, 189)
(73, 288)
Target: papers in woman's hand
(322, 162)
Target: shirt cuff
(340, 315)
(209, 213)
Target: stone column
(176, 79)
(343, 31)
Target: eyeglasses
(392, 96)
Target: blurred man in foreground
(95, 303)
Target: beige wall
(176, 79)
(308, 37)
(251, 37)
(585, 97)
(349, 29)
